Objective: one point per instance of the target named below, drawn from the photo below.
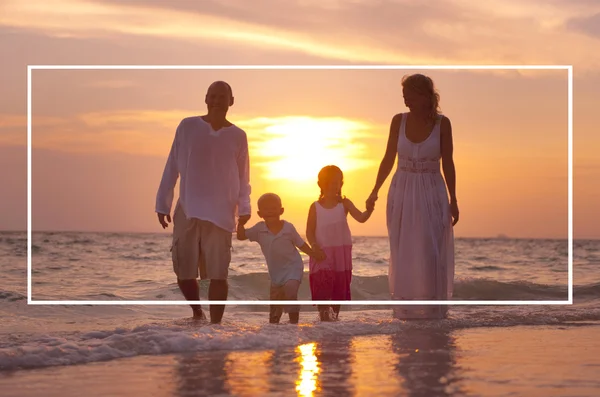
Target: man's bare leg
(217, 291)
(294, 317)
(191, 292)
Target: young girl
(327, 231)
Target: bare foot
(274, 318)
(198, 314)
(325, 314)
(275, 313)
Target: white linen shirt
(214, 170)
(283, 259)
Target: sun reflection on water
(307, 380)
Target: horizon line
(499, 236)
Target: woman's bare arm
(389, 159)
(447, 148)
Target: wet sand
(498, 361)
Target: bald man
(210, 154)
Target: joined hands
(242, 220)
(370, 203)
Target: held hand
(454, 212)
(370, 207)
(242, 220)
(370, 204)
(161, 220)
(319, 255)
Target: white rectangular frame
(568, 68)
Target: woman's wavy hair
(422, 84)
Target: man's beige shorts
(199, 248)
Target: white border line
(570, 177)
(29, 221)
(300, 67)
(569, 69)
(282, 302)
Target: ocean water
(94, 266)
(117, 266)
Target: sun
(297, 147)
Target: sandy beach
(156, 350)
(423, 361)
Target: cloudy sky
(101, 137)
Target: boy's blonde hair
(269, 197)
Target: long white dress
(420, 228)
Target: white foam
(249, 333)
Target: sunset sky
(101, 137)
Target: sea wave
(251, 286)
(255, 286)
(250, 331)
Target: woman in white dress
(422, 207)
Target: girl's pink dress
(330, 279)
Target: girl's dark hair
(325, 175)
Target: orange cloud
(455, 32)
(75, 17)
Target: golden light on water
(307, 381)
(247, 372)
(374, 373)
(296, 148)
